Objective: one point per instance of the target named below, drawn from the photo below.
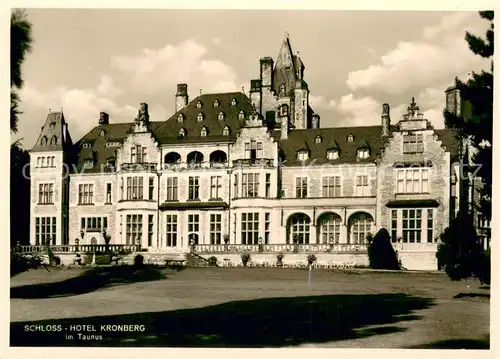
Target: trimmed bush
(245, 257)
(381, 254)
(139, 261)
(311, 258)
(212, 261)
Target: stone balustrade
(285, 248)
(82, 248)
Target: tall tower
(49, 170)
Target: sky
(87, 61)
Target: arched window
(203, 132)
(318, 139)
(225, 131)
(200, 117)
(332, 154)
(329, 226)
(221, 116)
(53, 140)
(360, 224)
(241, 115)
(44, 141)
(52, 125)
(195, 157)
(172, 157)
(233, 102)
(302, 155)
(218, 157)
(180, 118)
(199, 104)
(182, 133)
(52, 160)
(216, 103)
(299, 229)
(350, 138)
(102, 133)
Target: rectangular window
(134, 188)
(331, 186)
(133, 229)
(235, 194)
(413, 143)
(215, 187)
(412, 225)
(150, 229)
(45, 230)
(85, 194)
(108, 192)
(95, 224)
(362, 188)
(253, 150)
(151, 188)
(171, 232)
(412, 180)
(301, 187)
(249, 228)
(268, 185)
(215, 228)
(172, 188)
(250, 184)
(194, 223)
(194, 188)
(430, 226)
(394, 225)
(267, 227)
(46, 193)
(132, 155)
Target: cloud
(432, 60)
(160, 70)
(217, 41)
(362, 111)
(81, 106)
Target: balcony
(138, 167)
(258, 162)
(194, 166)
(284, 248)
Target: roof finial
(61, 109)
(286, 35)
(243, 88)
(298, 54)
(50, 110)
(200, 91)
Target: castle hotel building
(228, 166)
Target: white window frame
(302, 188)
(250, 183)
(46, 193)
(331, 183)
(302, 155)
(413, 143)
(86, 193)
(362, 187)
(412, 180)
(172, 189)
(250, 228)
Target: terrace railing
(259, 162)
(285, 248)
(82, 248)
(138, 167)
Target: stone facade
(251, 171)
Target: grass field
(248, 307)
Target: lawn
(248, 307)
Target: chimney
(284, 129)
(103, 118)
(315, 121)
(266, 71)
(386, 120)
(255, 96)
(181, 97)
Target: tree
(20, 44)
(381, 254)
(19, 195)
(475, 122)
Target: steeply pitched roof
(332, 138)
(54, 135)
(168, 132)
(98, 151)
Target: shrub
(212, 261)
(138, 260)
(311, 258)
(22, 262)
(381, 254)
(245, 257)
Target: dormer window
(332, 154)
(102, 133)
(221, 116)
(111, 163)
(180, 118)
(182, 133)
(199, 104)
(241, 115)
(52, 125)
(318, 139)
(233, 102)
(200, 117)
(88, 164)
(216, 103)
(203, 132)
(44, 141)
(350, 138)
(363, 153)
(53, 140)
(225, 132)
(303, 155)
(86, 145)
